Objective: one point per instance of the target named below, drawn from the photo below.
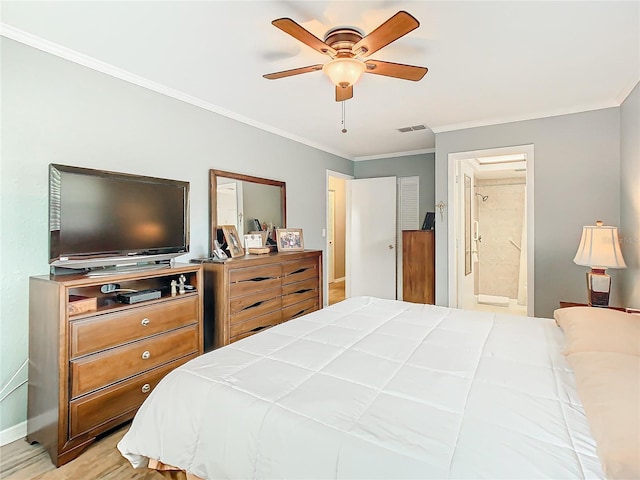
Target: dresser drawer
(248, 280)
(95, 371)
(243, 308)
(299, 291)
(299, 270)
(93, 334)
(299, 309)
(119, 401)
(255, 324)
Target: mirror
(467, 225)
(240, 200)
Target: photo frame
(253, 240)
(290, 239)
(234, 245)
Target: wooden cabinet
(247, 294)
(89, 371)
(418, 266)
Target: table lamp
(599, 249)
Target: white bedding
(371, 388)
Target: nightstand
(572, 304)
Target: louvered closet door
(408, 217)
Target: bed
(372, 388)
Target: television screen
(97, 214)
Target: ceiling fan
(349, 48)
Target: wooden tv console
(93, 360)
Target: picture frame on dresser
(290, 239)
(234, 244)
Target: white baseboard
(14, 433)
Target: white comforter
(372, 388)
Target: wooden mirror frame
(213, 198)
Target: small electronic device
(139, 296)
(218, 252)
(429, 221)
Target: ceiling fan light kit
(348, 48)
(344, 72)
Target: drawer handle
(257, 329)
(303, 290)
(257, 304)
(261, 279)
(300, 270)
(301, 312)
(146, 388)
(145, 322)
(146, 355)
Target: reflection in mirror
(240, 200)
(467, 225)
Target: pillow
(608, 385)
(593, 329)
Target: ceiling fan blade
(300, 33)
(295, 71)
(394, 28)
(344, 93)
(396, 70)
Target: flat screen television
(99, 218)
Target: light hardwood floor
(102, 460)
(336, 292)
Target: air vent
(412, 129)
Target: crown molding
(394, 154)
(537, 116)
(87, 61)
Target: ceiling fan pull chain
(344, 128)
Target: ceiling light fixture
(344, 72)
(517, 157)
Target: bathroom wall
(500, 219)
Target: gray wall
(630, 197)
(422, 165)
(55, 111)
(576, 182)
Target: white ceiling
(489, 62)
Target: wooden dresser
(93, 360)
(247, 294)
(418, 266)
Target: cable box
(139, 296)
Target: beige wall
(338, 185)
(500, 218)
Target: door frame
(325, 260)
(452, 161)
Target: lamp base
(598, 287)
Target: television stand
(93, 360)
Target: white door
(407, 216)
(371, 223)
(230, 205)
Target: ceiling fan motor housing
(342, 40)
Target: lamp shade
(344, 72)
(599, 247)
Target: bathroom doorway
(492, 198)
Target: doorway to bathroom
(491, 249)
